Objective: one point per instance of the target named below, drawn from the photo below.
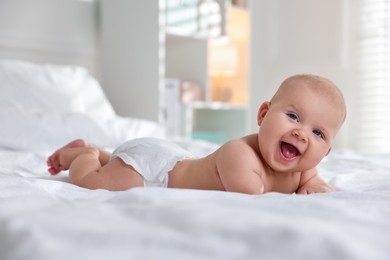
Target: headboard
(50, 31)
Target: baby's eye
(293, 116)
(318, 133)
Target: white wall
(54, 31)
(300, 36)
(117, 41)
(303, 36)
(130, 48)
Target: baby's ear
(262, 112)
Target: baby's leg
(86, 171)
(54, 161)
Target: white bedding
(42, 217)
(46, 218)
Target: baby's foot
(54, 162)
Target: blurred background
(203, 67)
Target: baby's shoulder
(238, 149)
(237, 144)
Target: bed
(45, 217)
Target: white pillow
(45, 106)
(48, 130)
(53, 88)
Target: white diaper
(152, 158)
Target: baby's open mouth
(289, 151)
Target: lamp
(222, 68)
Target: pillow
(48, 130)
(45, 106)
(52, 87)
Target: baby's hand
(311, 182)
(315, 188)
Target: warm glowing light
(223, 60)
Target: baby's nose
(300, 134)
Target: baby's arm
(237, 168)
(311, 182)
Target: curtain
(374, 77)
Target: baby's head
(300, 122)
(321, 86)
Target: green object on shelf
(215, 137)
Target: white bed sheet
(44, 217)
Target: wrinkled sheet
(44, 217)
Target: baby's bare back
(196, 174)
(210, 172)
(235, 166)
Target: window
(374, 77)
(202, 17)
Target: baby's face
(298, 128)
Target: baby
(296, 130)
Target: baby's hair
(319, 85)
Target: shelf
(177, 33)
(215, 106)
(215, 122)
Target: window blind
(374, 77)
(190, 17)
